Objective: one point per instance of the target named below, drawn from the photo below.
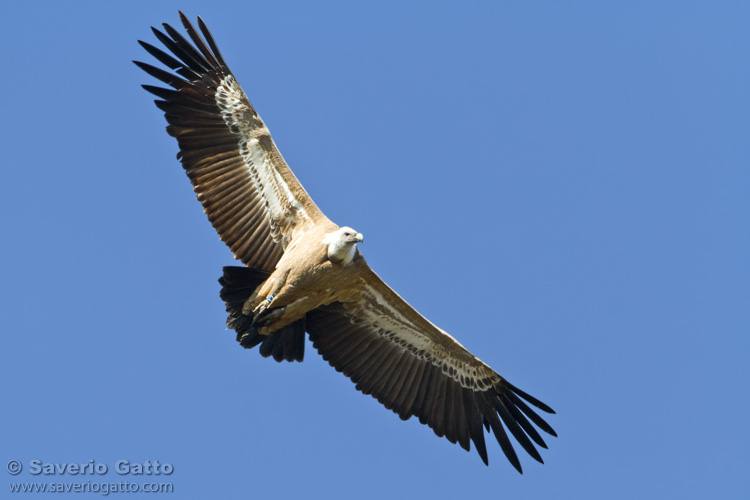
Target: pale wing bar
(249, 194)
(423, 380)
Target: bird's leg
(261, 299)
(264, 314)
(271, 308)
(249, 310)
(263, 305)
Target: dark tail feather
(237, 284)
(286, 344)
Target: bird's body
(305, 274)
(306, 278)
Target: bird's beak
(357, 238)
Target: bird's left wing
(413, 368)
(250, 195)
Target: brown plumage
(305, 274)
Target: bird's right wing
(250, 195)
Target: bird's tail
(237, 285)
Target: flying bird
(303, 273)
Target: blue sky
(562, 186)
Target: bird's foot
(263, 305)
(259, 308)
(264, 314)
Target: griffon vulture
(305, 274)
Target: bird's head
(342, 244)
